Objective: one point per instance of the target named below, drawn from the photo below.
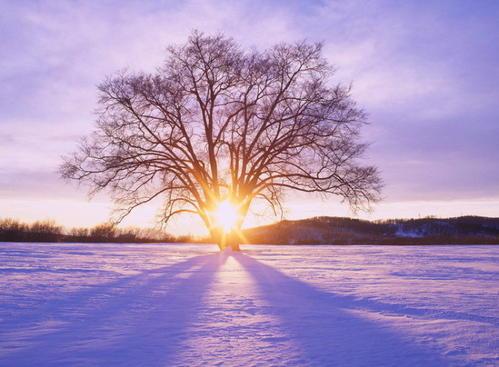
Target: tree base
(229, 247)
(235, 247)
(227, 241)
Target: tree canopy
(216, 122)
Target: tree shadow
(327, 328)
(137, 321)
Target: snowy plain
(188, 305)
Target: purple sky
(427, 72)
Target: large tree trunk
(227, 241)
(233, 242)
(233, 246)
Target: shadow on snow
(325, 328)
(145, 320)
(138, 320)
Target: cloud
(426, 73)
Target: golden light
(226, 215)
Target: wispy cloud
(426, 72)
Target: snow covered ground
(187, 305)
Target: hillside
(343, 231)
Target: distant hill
(316, 231)
(344, 231)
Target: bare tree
(216, 123)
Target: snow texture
(187, 305)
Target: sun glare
(226, 215)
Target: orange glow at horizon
(79, 212)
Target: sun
(226, 215)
